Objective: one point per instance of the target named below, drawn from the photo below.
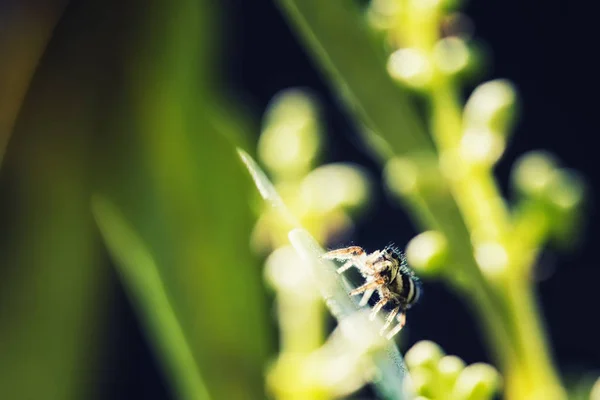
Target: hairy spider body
(387, 273)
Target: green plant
(474, 240)
(356, 353)
(126, 130)
(123, 108)
(439, 376)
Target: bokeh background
(113, 107)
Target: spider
(385, 271)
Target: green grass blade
(334, 288)
(266, 188)
(141, 277)
(171, 169)
(338, 38)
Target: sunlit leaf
(141, 276)
(334, 288)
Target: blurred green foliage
(323, 199)
(439, 376)
(121, 103)
(131, 113)
(440, 164)
(143, 280)
(53, 287)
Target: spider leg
(346, 253)
(389, 319)
(347, 265)
(378, 307)
(401, 321)
(366, 297)
(367, 286)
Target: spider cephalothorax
(385, 271)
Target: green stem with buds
(469, 213)
(529, 369)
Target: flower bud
(414, 175)
(424, 354)
(382, 14)
(492, 258)
(427, 253)
(595, 393)
(290, 139)
(566, 190)
(451, 55)
(566, 195)
(334, 186)
(491, 105)
(286, 272)
(423, 382)
(430, 7)
(411, 67)
(482, 146)
(449, 368)
(533, 172)
(478, 381)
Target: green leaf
(334, 289)
(167, 161)
(141, 276)
(338, 38)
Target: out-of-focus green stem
(529, 230)
(474, 189)
(532, 376)
(530, 372)
(446, 122)
(297, 339)
(301, 333)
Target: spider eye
(395, 255)
(398, 257)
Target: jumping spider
(385, 271)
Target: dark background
(548, 49)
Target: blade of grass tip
(391, 383)
(393, 376)
(141, 277)
(266, 188)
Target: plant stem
(533, 377)
(527, 367)
(474, 187)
